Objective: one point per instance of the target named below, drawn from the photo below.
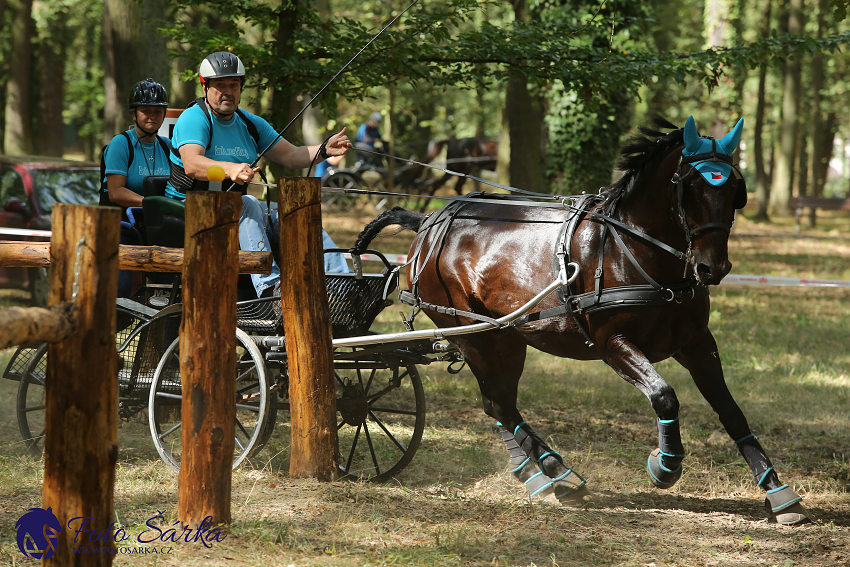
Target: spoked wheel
(380, 418)
(254, 418)
(342, 180)
(31, 401)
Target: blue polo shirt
(231, 140)
(148, 159)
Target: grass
(786, 361)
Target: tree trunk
(52, 64)
(18, 134)
(783, 176)
(824, 122)
(525, 124)
(129, 37)
(284, 103)
(762, 180)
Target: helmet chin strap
(139, 126)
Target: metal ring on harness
(670, 291)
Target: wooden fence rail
(15, 253)
(23, 326)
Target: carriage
(380, 398)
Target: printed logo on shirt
(144, 171)
(237, 152)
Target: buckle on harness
(670, 291)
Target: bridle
(679, 181)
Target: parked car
(29, 186)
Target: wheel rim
(378, 437)
(252, 403)
(31, 402)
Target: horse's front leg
(702, 360)
(665, 463)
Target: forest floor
(786, 361)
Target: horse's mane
(643, 151)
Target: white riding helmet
(221, 64)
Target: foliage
(546, 50)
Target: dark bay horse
(647, 247)
(463, 155)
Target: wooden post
(306, 321)
(81, 413)
(208, 355)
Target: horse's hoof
(569, 488)
(575, 497)
(659, 475)
(783, 507)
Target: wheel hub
(353, 406)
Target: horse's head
(709, 189)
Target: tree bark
(25, 325)
(306, 320)
(18, 134)
(138, 258)
(129, 37)
(284, 103)
(81, 392)
(783, 175)
(762, 177)
(824, 122)
(53, 55)
(208, 356)
(524, 114)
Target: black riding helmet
(221, 64)
(147, 93)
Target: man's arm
(195, 164)
(301, 157)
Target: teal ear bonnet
(715, 172)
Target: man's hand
(338, 144)
(240, 173)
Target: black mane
(644, 151)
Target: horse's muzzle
(711, 274)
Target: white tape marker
(772, 280)
(25, 232)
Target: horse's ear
(730, 140)
(691, 136)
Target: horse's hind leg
(665, 463)
(497, 359)
(702, 360)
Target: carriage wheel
(31, 401)
(378, 437)
(254, 418)
(342, 180)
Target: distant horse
(465, 155)
(647, 248)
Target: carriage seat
(165, 218)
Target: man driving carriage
(214, 131)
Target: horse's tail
(408, 220)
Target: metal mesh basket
(259, 315)
(141, 345)
(354, 303)
(18, 362)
